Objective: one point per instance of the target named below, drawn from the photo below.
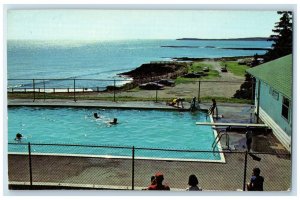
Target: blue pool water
(139, 128)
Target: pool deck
(230, 110)
(96, 104)
(111, 171)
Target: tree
(283, 37)
(255, 61)
(282, 46)
(246, 89)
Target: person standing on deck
(213, 107)
(248, 139)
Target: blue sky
(137, 24)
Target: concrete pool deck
(95, 104)
(116, 173)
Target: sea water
(106, 59)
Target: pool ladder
(219, 137)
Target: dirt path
(225, 76)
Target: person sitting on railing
(159, 177)
(18, 137)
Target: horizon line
(182, 38)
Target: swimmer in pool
(18, 136)
(115, 121)
(96, 115)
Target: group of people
(113, 122)
(255, 184)
(178, 102)
(157, 183)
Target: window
(285, 108)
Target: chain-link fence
(130, 168)
(115, 90)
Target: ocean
(105, 59)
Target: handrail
(218, 138)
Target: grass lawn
(198, 67)
(235, 68)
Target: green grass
(235, 68)
(198, 67)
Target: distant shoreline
(231, 39)
(213, 47)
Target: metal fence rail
(77, 89)
(93, 166)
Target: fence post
(199, 92)
(30, 167)
(258, 102)
(74, 91)
(44, 90)
(245, 170)
(132, 172)
(156, 95)
(253, 91)
(114, 90)
(33, 86)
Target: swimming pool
(139, 128)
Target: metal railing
(130, 168)
(114, 89)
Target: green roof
(277, 73)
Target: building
(273, 96)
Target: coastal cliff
(156, 69)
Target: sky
(137, 24)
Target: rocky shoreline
(155, 71)
(150, 72)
